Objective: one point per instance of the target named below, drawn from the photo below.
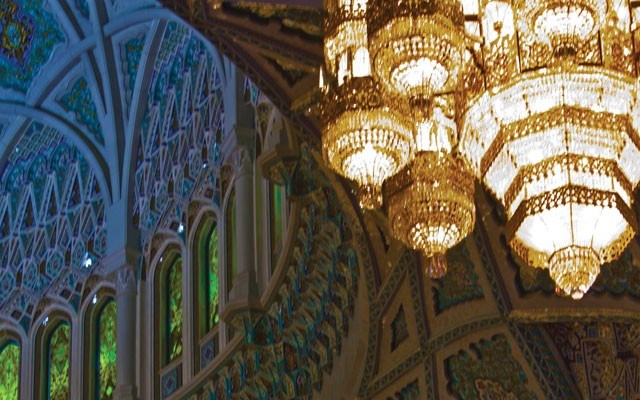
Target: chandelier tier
(416, 45)
(565, 25)
(557, 142)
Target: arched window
(173, 310)
(168, 323)
(9, 370)
(58, 355)
(207, 289)
(100, 346)
(106, 352)
(232, 241)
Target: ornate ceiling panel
(279, 46)
(52, 215)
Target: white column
(126, 333)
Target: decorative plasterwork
(131, 52)
(602, 357)
(490, 373)
(277, 46)
(29, 33)
(53, 225)
(181, 129)
(79, 101)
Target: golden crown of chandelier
(537, 98)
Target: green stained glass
(107, 351)
(276, 202)
(212, 271)
(9, 371)
(232, 245)
(58, 355)
(174, 309)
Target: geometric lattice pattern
(182, 128)
(52, 230)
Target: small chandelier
(363, 138)
(431, 201)
(558, 146)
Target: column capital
(125, 280)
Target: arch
(206, 289)
(10, 365)
(168, 315)
(53, 357)
(88, 150)
(100, 344)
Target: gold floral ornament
(558, 146)
(363, 138)
(417, 46)
(431, 201)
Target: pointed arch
(207, 284)
(53, 357)
(100, 344)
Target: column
(126, 333)
(245, 289)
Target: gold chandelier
(544, 95)
(555, 139)
(364, 139)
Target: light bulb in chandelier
(431, 206)
(416, 46)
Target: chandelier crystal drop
(557, 143)
(416, 45)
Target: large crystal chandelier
(544, 93)
(553, 133)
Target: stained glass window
(58, 356)
(106, 376)
(232, 245)
(174, 309)
(276, 204)
(9, 371)
(212, 279)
